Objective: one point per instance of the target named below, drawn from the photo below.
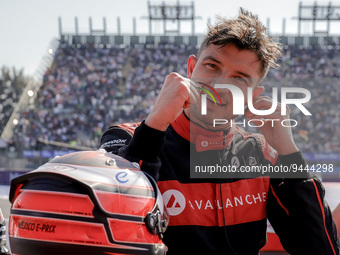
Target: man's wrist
(295, 160)
(156, 123)
(146, 143)
(288, 150)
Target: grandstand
(94, 80)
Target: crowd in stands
(12, 83)
(316, 69)
(90, 87)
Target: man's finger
(193, 89)
(262, 103)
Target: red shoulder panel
(130, 127)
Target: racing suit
(227, 215)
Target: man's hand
(175, 95)
(278, 136)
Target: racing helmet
(90, 202)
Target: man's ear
(257, 91)
(192, 60)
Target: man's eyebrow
(212, 58)
(244, 74)
(209, 57)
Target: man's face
(226, 65)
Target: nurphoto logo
(239, 99)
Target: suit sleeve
(299, 214)
(144, 148)
(137, 143)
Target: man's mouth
(217, 103)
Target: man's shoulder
(118, 136)
(129, 127)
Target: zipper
(223, 160)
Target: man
(226, 215)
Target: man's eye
(212, 66)
(241, 79)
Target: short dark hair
(245, 32)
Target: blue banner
(7, 176)
(45, 153)
(322, 156)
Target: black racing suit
(228, 214)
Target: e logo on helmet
(121, 177)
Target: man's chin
(212, 120)
(212, 123)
